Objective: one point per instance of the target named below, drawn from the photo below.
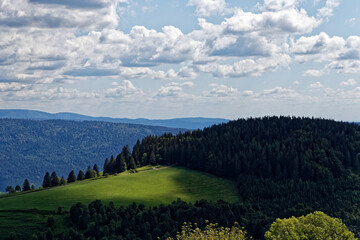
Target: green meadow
(27, 213)
(151, 187)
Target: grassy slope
(148, 187)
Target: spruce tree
(127, 154)
(132, 164)
(122, 163)
(26, 185)
(62, 181)
(81, 175)
(54, 179)
(47, 180)
(106, 166)
(71, 177)
(89, 173)
(96, 169)
(112, 165)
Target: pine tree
(106, 166)
(122, 164)
(125, 151)
(89, 173)
(112, 165)
(26, 185)
(132, 164)
(54, 179)
(72, 177)
(47, 180)
(81, 175)
(62, 181)
(96, 169)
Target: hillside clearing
(147, 187)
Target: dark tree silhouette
(81, 175)
(26, 185)
(54, 179)
(72, 177)
(47, 180)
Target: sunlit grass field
(151, 187)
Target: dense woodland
(29, 148)
(283, 167)
(270, 147)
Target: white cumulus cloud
(206, 8)
(349, 82)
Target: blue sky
(182, 58)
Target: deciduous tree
(316, 225)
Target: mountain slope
(187, 123)
(29, 148)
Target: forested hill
(283, 166)
(29, 148)
(276, 147)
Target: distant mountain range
(29, 148)
(186, 123)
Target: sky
(182, 58)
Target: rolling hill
(151, 187)
(186, 123)
(29, 148)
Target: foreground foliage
(314, 226)
(211, 232)
(98, 221)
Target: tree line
(166, 222)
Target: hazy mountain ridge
(187, 123)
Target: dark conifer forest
(283, 166)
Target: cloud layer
(48, 49)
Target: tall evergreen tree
(54, 179)
(112, 165)
(72, 177)
(136, 152)
(47, 180)
(132, 164)
(96, 169)
(122, 163)
(62, 181)
(26, 185)
(89, 173)
(81, 175)
(106, 166)
(127, 154)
